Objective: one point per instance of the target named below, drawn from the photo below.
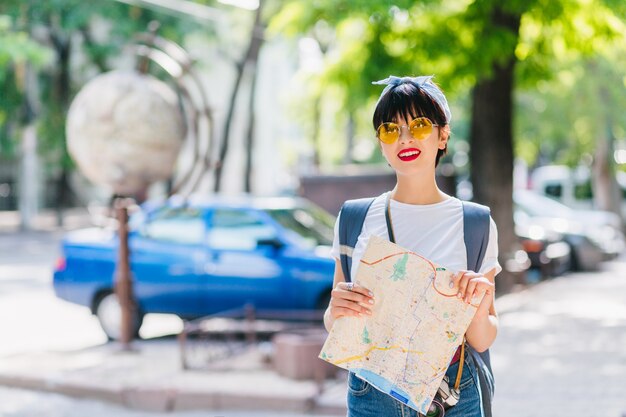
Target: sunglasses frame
(432, 125)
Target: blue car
(198, 257)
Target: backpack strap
(476, 224)
(475, 233)
(351, 219)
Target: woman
(412, 123)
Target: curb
(169, 399)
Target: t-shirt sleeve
(335, 249)
(491, 255)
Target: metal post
(123, 279)
(250, 313)
(182, 342)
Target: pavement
(559, 352)
(151, 378)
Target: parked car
(572, 186)
(204, 256)
(549, 254)
(593, 236)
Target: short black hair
(409, 101)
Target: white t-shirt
(434, 231)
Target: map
(404, 348)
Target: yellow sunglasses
(420, 128)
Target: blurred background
(237, 128)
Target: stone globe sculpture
(125, 130)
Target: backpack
(476, 236)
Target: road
(31, 317)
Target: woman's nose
(405, 134)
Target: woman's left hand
(472, 284)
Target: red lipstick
(409, 154)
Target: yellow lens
(421, 128)
(388, 132)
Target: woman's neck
(417, 190)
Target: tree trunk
(28, 202)
(252, 53)
(491, 141)
(606, 192)
(606, 195)
(61, 93)
(29, 178)
(250, 133)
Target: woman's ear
(444, 135)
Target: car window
(312, 224)
(554, 190)
(237, 230)
(178, 225)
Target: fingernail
(459, 295)
(360, 314)
(369, 312)
(371, 301)
(371, 293)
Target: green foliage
(555, 32)
(38, 33)
(563, 118)
(17, 47)
(455, 40)
(571, 80)
(16, 51)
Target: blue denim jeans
(366, 401)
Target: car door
(240, 270)
(168, 257)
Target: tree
(576, 119)
(16, 51)
(247, 62)
(66, 29)
(492, 46)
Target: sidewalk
(150, 378)
(559, 353)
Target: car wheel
(574, 261)
(109, 314)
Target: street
(559, 350)
(31, 317)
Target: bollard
(296, 355)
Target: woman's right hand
(350, 299)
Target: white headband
(423, 82)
